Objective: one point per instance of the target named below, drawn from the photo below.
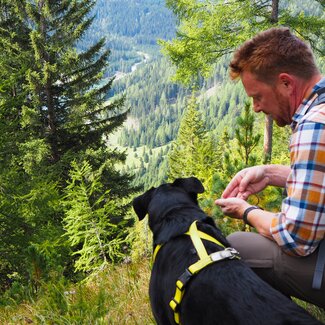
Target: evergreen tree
(55, 110)
(193, 151)
(244, 133)
(237, 153)
(240, 152)
(68, 98)
(15, 229)
(92, 220)
(184, 149)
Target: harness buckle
(183, 279)
(233, 253)
(228, 253)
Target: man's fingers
(227, 194)
(246, 180)
(220, 202)
(232, 188)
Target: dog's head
(158, 202)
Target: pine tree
(237, 154)
(68, 98)
(244, 133)
(15, 230)
(184, 149)
(193, 151)
(54, 110)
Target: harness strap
(204, 261)
(319, 269)
(155, 252)
(197, 242)
(202, 235)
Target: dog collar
(204, 260)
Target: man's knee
(260, 253)
(290, 275)
(255, 250)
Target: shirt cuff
(281, 235)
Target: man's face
(269, 99)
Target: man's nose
(256, 108)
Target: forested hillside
(130, 27)
(144, 76)
(157, 102)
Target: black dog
(226, 292)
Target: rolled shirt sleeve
(300, 225)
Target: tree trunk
(275, 11)
(268, 131)
(268, 134)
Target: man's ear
(286, 82)
(141, 203)
(190, 184)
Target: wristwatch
(248, 210)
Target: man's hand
(233, 207)
(248, 181)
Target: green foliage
(244, 133)
(281, 140)
(140, 239)
(210, 29)
(45, 258)
(242, 151)
(67, 91)
(238, 153)
(192, 153)
(54, 109)
(116, 295)
(92, 220)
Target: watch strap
(253, 207)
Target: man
(278, 71)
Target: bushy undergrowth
(116, 295)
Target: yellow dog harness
(204, 260)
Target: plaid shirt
(300, 226)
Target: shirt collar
(304, 106)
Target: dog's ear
(190, 184)
(141, 203)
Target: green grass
(318, 313)
(116, 295)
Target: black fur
(226, 292)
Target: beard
(283, 117)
